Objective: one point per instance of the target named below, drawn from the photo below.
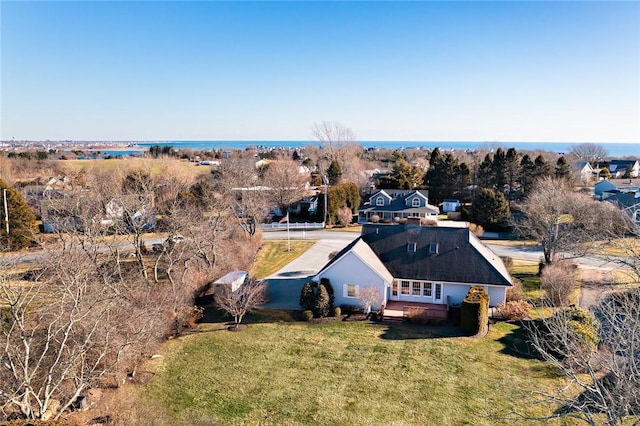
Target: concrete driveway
(285, 285)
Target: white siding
(457, 293)
(497, 295)
(351, 270)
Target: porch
(422, 312)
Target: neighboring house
(416, 264)
(627, 202)
(450, 205)
(584, 170)
(605, 188)
(618, 168)
(389, 204)
(602, 187)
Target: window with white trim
(426, 290)
(415, 288)
(415, 202)
(404, 288)
(394, 288)
(350, 290)
(438, 292)
(434, 248)
(411, 247)
(380, 201)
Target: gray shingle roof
(461, 257)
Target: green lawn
(274, 254)
(294, 373)
(527, 274)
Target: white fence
(292, 225)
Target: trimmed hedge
(474, 312)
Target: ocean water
(613, 149)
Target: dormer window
(434, 248)
(415, 202)
(380, 201)
(411, 247)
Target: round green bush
(307, 315)
(337, 311)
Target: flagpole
(288, 239)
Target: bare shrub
(558, 280)
(428, 222)
(478, 230)
(516, 292)
(513, 310)
(344, 216)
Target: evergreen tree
(541, 168)
(499, 166)
(334, 172)
(22, 221)
(562, 168)
(527, 175)
(332, 297)
(490, 209)
(338, 196)
(433, 179)
(307, 297)
(449, 175)
(486, 177)
(322, 302)
(513, 171)
(463, 181)
(295, 156)
(404, 175)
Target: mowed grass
(338, 373)
(274, 254)
(527, 274)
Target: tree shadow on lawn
(518, 342)
(409, 331)
(212, 315)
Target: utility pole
(6, 210)
(325, 181)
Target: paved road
(529, 253)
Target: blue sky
(432, 71)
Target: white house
(618, 168)
(416, 264)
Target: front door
(395, 294)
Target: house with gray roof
(619, 168)
(628, 202)
(416, 264)
(389, 205)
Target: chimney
(413, 221)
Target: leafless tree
(558, 280)
(249, 297)
(285, 183)
(561, 220)
(72, 330)
(606, 372)
(332, 135)
(368, 296)
(236, 185)
(593, 153)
